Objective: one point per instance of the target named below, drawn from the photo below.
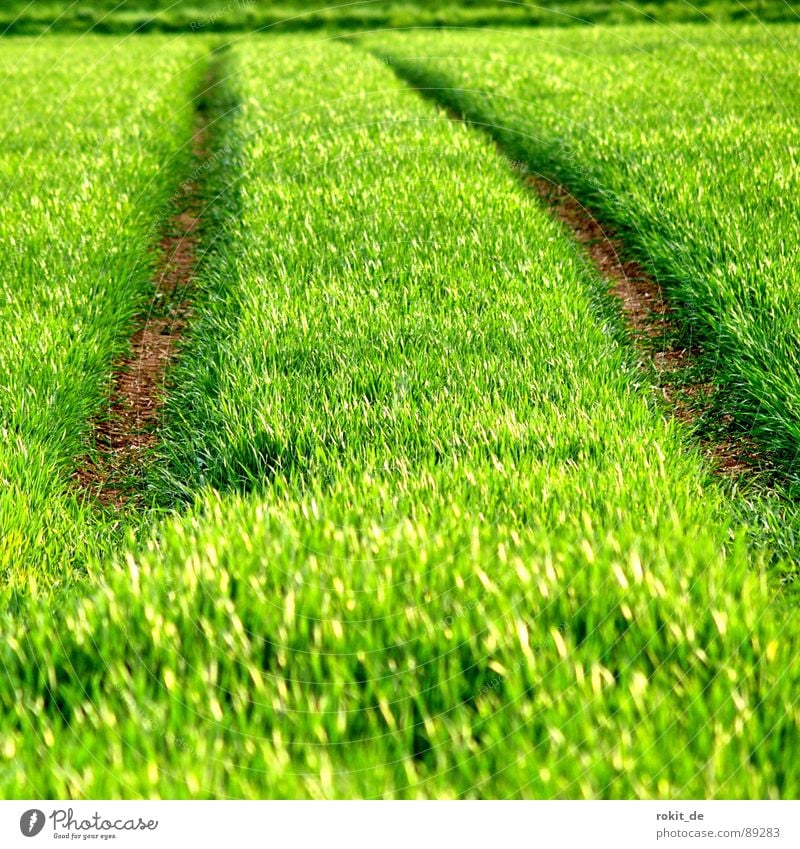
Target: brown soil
(129, 431)
(652, 326)
(649, 318)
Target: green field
(698, 170)
(89, 155)
(116, 16)
(420, 522)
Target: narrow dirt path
(128, 433)
(652, 325)
(648, 316)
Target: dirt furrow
(653, 326)
(128, 432)
(647, 312)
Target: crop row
(203, 16)
(686, 141)
(91, 135)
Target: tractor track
(650, 319)
(125, 437)
(652, 326)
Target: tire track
(127, 435)
(648, 315)
(653, 328)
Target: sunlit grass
(92, 131)
(446, 543)
(686, 140)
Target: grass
(442, 543)
(685, 140)
(122, 16)
(88, 128)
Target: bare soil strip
(652, 325)
(128, 433)
(649, 318)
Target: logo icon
(31, 822)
